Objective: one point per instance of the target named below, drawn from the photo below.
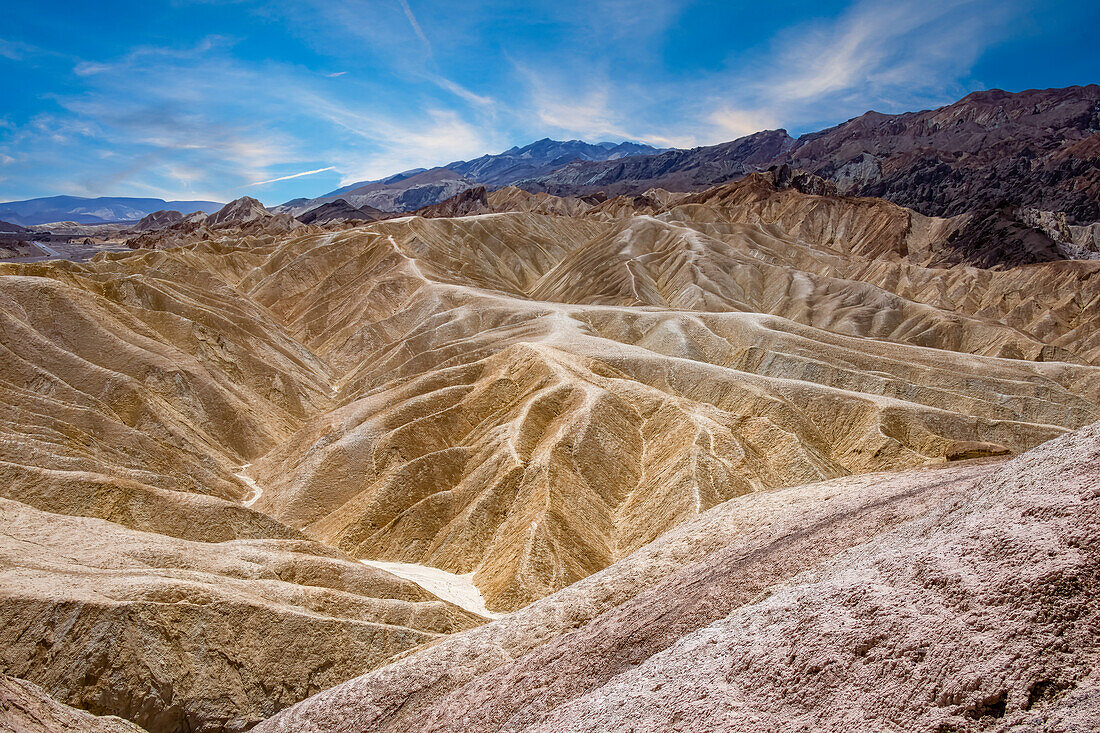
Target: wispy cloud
(874, 55)
(593, 109)
(168, 120)
(22, 51)
(734, 123)
(152, 55)
(12, 50)
(886, 56)
(292, 176)
(436, 137)
(460, 91)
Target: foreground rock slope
(183, 635)
(960, 598)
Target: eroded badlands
(678, 410)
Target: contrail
(416, 25)
(294, 175)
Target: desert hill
(158, 220)
(340, 211)
(202, 437)
(245, 216)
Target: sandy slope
(457, 589)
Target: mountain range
(100, 210)
(419, 187)
(1035, 150)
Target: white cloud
(736, 123)
(201, 119)
(893, 56)
(437, 137)
(198, 119)
(88, 68)
(594, 111)
(887, 56)
(18, 50)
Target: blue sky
(193, 99)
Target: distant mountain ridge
(674, 170)
(518, 163)
(1037, 149)
(419, 187)
(104, 209)
(403, 192)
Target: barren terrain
(677, 441)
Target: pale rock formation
(1078, 242)
(493, 373)
(25, 708)
(962, 598)
(189, 635)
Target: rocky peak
(158, 220)
(783, 176)
(243, 210)
(340, 211)
(471, 201)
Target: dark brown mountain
(675, 170)
(994, 236)
(158, 220)
(340, 211)
(465, 203)
(1033, 149)
(1037, 149)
